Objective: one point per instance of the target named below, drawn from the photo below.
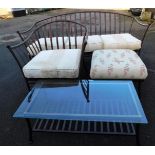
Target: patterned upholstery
(54, 64)
(117, 64)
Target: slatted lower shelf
(84, 127)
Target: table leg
(137, 135)
(29, 130)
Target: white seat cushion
(117, 64)
(120, 41)
(94, 42)
(43, 41)
(54, 64)
(54, 42)
(109, 41)
(72, 42)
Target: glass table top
(86, 100)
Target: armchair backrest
(52, 35)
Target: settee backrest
(98, 22)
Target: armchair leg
(28, 85)
(139, 88)
(87, 63)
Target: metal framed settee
(110, 35)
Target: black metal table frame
(132, 128)
(133, 132)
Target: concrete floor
(13, 90)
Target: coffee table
(83, 106)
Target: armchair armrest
(84, 43)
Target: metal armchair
(53, 50)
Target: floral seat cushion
(117, 64)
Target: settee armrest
(142, 23)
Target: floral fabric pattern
(117, 64)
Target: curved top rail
(94, 11)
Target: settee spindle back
(98, 22)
